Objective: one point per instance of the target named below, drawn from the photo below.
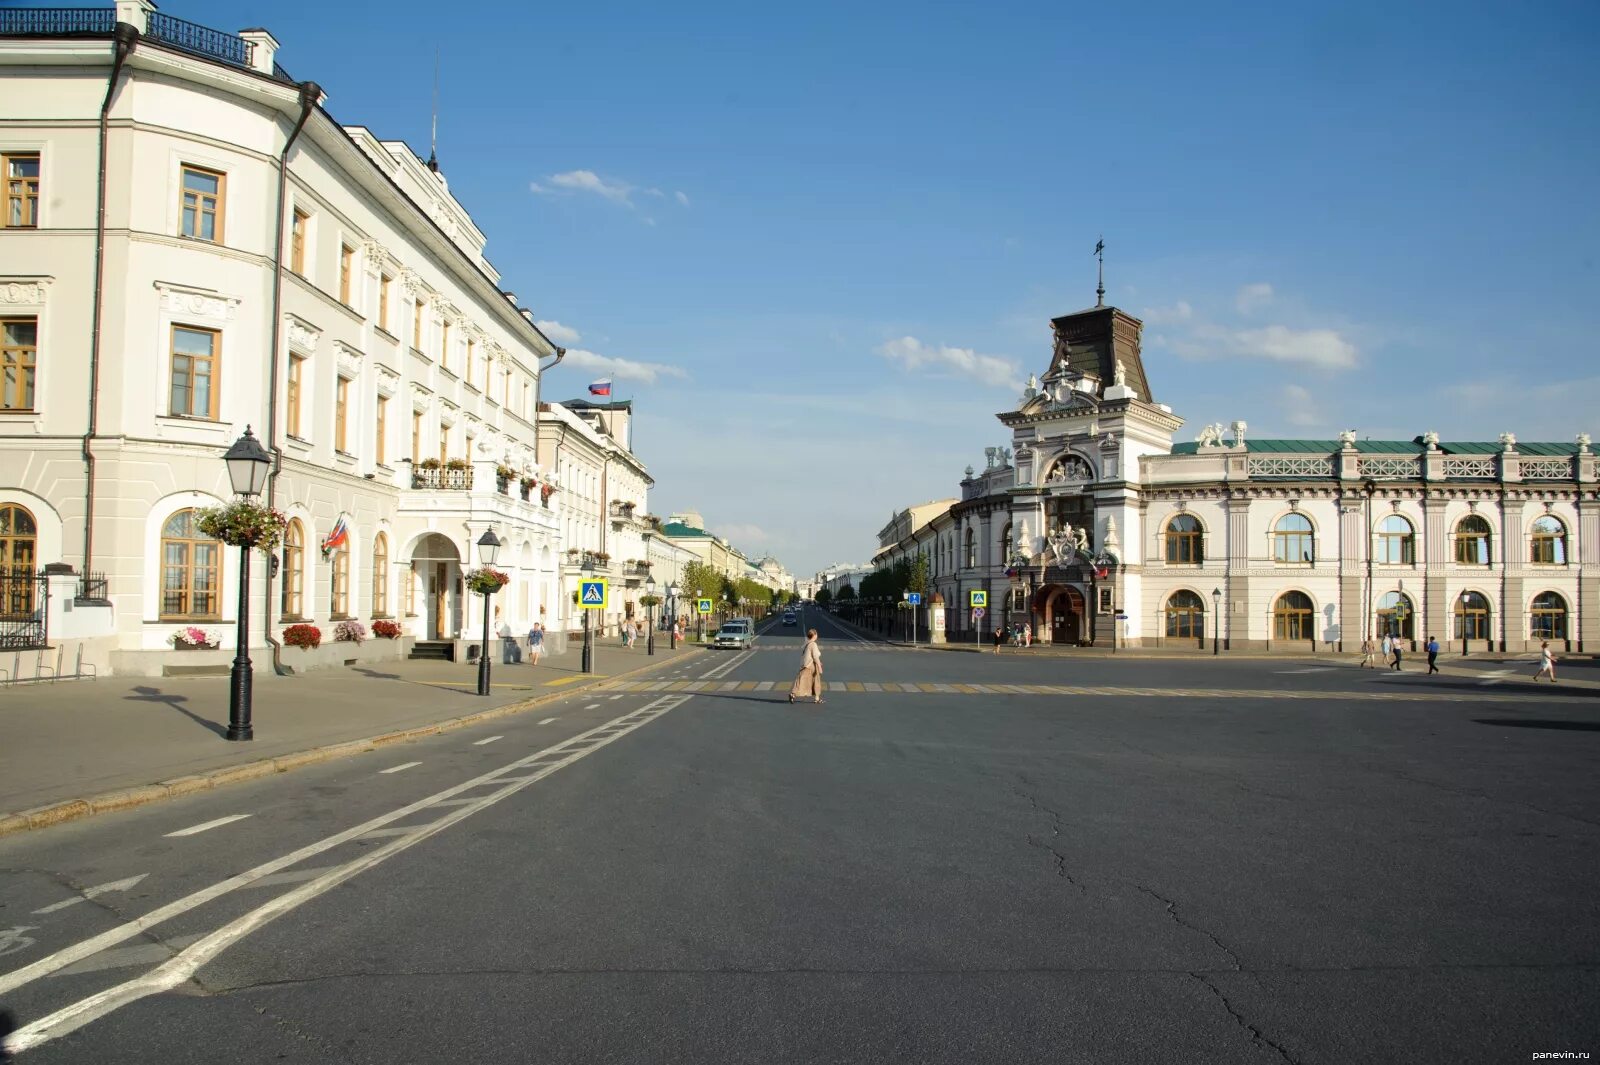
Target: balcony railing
(56, 21)
(444, 480)
(201, 40)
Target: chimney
(263, 50)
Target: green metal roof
(678, 528)
(1386, 447)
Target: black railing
(92, 588)
(23, 598)
(56, 21)
(214, 44)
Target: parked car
(737, 633)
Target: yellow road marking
(563, 680)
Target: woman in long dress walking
(809, 680)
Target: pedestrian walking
(1027, 635)
(999, 638)
(536, 641)
(1387, 647)
(1547, 662)
(809, 680)
(1366, 653)
(1396, 648)
(1433, 655)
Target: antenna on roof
(1100, 290)
(433, 141)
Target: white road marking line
(455, 802)
(614, 698)
(294, 876)
(766, 685)
(548, 720)
(1313, 669)
(491, 739)
(123, 957)
(183, 967)
(207, 826)
(89, 893)
(591, 706)
(401, 766)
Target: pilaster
(1236, 586)
(1436, 608)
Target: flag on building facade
(338, 537)
(601, 387)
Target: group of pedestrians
(1393, 649)
(1019, 636)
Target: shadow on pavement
(1525, 722)
(156, 695)
(1509, 685)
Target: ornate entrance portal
(1063, 614)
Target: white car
(738, 633)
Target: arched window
(190, 570)
(380, 576)
(1292, 539)
(972, 549)
(1548, 545)
(1292, 616)
(1186, 616)
(1472, 541)
(1548, 618)
(1183, 541)
(18, 550)
(294, 569)
(339, 583)
(1472, 616)
(19, 541)
(1397, 616)
(1397, 542)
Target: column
(1236, 584)
(1355, 544)
(1434, 545)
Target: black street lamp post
(488, 552)
(248, 463)
(650, 635)
(588, 647)
(1216, 619)
(672, 616)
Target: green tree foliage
(700, 581)
(846, 592)
(824, 597)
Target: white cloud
(1253, 297)
(1323, 349)
(965, 362)
(1299, 407)
(561, 334)
(745, 533)
(585, 181)
(623, 369)
(683, 198)
(1178, 312)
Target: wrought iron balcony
(446, 480)
(56, 21)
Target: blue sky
(827, 238)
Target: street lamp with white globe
(488, 554)
(248, 463)
(650, 635)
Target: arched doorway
(1186, 617)
(1063, 615)
(436, 564)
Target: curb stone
(126, 798)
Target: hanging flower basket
(457, 464)
(487, 581)
(243, 523)
(429, 464)
(546, 491)
(193, 638)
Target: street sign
(592, 595)
(914, 598)
(1122, 617)
(703, 606)
(977, 613)
(978, 597)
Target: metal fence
(24, 595)
(56, 21)
(201, 40)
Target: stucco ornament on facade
(303, 335)
(1210, 435)
(196, 304)
(24, 292)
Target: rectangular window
(194, 372)
(347, 260)
(341, 413)
(291, 398)
(381, 425)
(19, 355)
(203, 192)
(297, 242)
(22, 190)
(383, 300)
(416, 436)
(416, 326)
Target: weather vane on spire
(1100, 290)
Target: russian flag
(338, 537)
(601, 387)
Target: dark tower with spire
(1093, 341)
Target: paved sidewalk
(83, 739)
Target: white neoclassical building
(192, 245)
(1093, 526)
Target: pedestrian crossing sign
(979, 597)
(592, 595)
(704, 606)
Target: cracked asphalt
(913, 876)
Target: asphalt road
(1141, 861)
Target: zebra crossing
(780, 689)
